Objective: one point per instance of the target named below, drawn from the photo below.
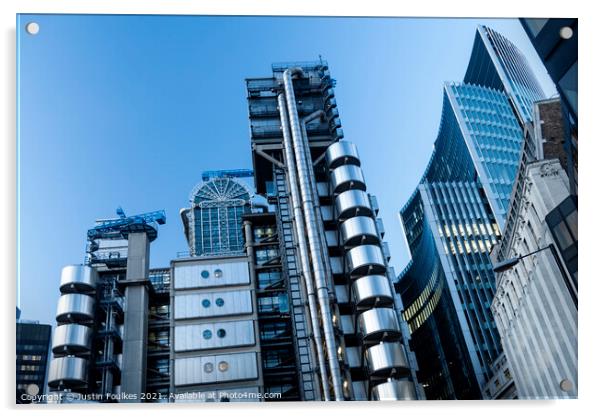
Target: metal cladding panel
(347, 177)
(323, 190)
(359, 390)
(372, 290)
(359, 230)
(78, 278)
(238, 367)
(188, 276)
(365, 259)
(67, 370)
(71, 337)
(353, 356)
(213, 369)
(380, 227)
(245, 394)
(347, 324)
(342, 152)
(336, 265)
(327, 213)
(386, 357)
(394, 390)
(342, 293)
(331, 239)
(207, 336)
(75, 305)
(353, 203)
(207, 304)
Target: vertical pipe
(302, 244)
(314, 190)
(313, 233)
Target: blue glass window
(219, 302)
(206, 303)
(207, 334)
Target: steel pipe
(302, 244)
(317, 261)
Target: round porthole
(208, 367)
(219, 302)
(218, 273)
(207, 334)
(222, 366)
(206, 303)
(205, 274)
(221, 333)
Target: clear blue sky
(129, 110)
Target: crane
(119, 228)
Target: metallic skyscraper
(350, 342)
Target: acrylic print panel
(195, 225)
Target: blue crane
(120, 227)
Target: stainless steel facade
(335, 258)
(214, 330)
(215, 369)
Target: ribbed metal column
(302, 244)
(313, 233)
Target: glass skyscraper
(455, 215)
(213, 222)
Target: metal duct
(347, 177)
(78, 278)
(75, 307)
(340, 153)
(302, 243)
(313, 233)
(394, 390)
(67, 372)
(387, 360)
(372, 291)
(71, 339)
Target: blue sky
(129, 110)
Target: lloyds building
(349, 340)
(456, 215)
